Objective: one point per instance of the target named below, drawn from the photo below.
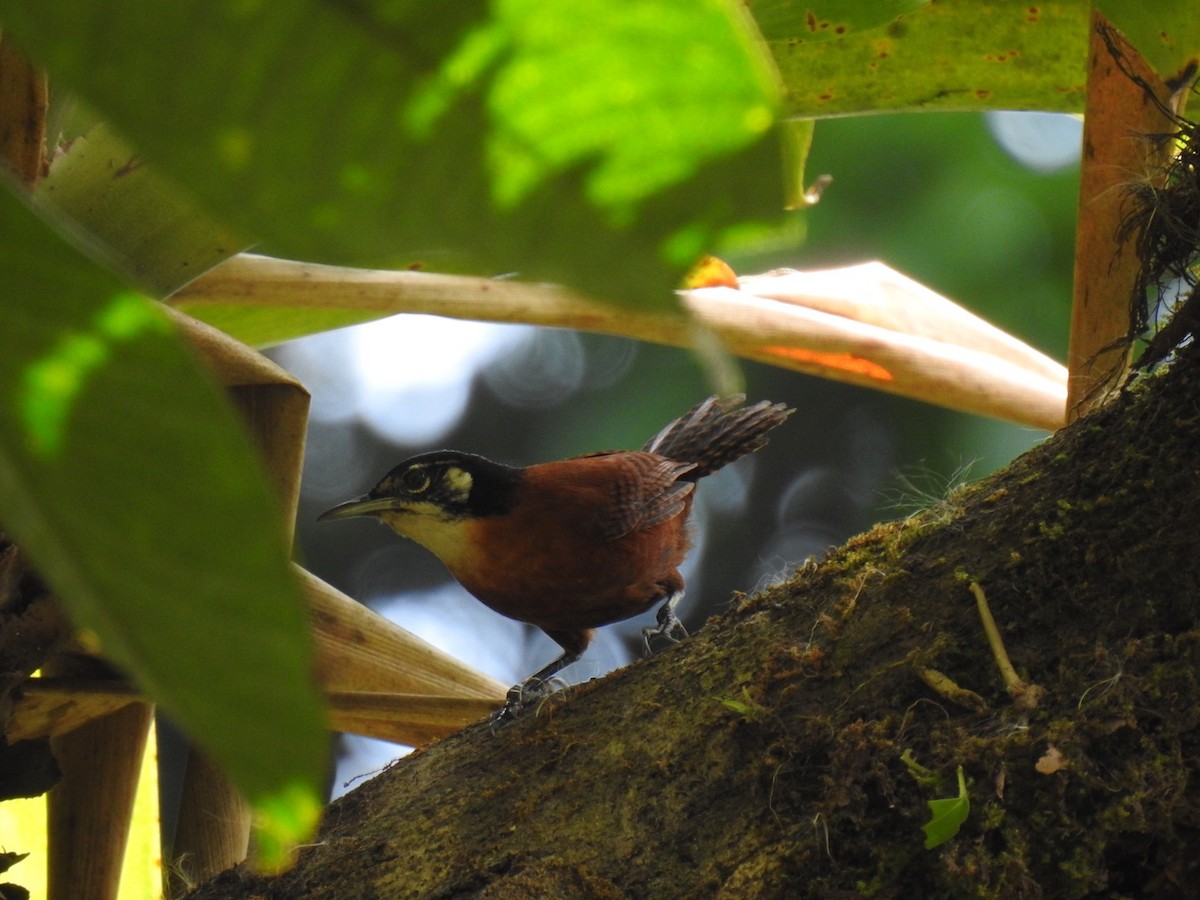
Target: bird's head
(428, 498)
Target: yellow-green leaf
(948, 815)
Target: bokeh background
(980, 208)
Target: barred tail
(716, 432)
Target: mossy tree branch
(761, 758)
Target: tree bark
(762, 756)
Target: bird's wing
(647, 490)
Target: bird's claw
(669, 627)
(521, 697)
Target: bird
(570, 545)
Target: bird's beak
(365, 505)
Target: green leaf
(126, 475)
(440, 134)
(948, 815)
(950, 55)
(1166, 33)
(282, 821)
(827, 19)
(144, 225)
(747, 707)
(265, 326)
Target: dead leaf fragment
(1052, 761)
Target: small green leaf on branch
(948, 815)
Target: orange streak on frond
(844, 361)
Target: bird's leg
(668, 626)
(542, 682)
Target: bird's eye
(416, 481)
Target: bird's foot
(523, 697)
(669, 627)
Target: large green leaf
(950, 55)
(145, 226)
(602, 144)
(126, 475)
